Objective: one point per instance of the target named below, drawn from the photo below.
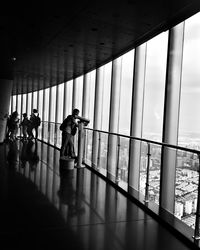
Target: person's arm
(63, 125)
(74, 122)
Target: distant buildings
(187, 176)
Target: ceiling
(42, 44)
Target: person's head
(24, 115)
(75, 112)
(15, 114)
(35, 111)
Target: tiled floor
(78, 210)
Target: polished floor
(43, 208)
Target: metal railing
(96, 152)
(150, 144)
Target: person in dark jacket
(24, 125)
(35, 122)
(13, 125)
(68, 128)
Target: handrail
(142, 139)
(148, 141)
(196, 235)
(51, 122)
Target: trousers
(67, 148)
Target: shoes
(74, 156)
(76, 159)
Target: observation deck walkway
(43, 207)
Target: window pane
(35, 100)
(24, 100)
(52, 104)
(29, 104)
(46, 104)
(14, 100)
(187, 168)
(90, 101)
(68, 97)
(60, 103)
(126, 93)
(79, 94)
(189, 120)
(105, 97)
(155, 86)
(40, 104)
(19, 100)
(10, 108)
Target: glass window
(105, 96)
(189, 119)
(126, 93)
(156, 61)
(40, 104)
(29, 104)
(68, 98)
(79, 94)
(187, 164)
(35, 93)
(19, 103)
(60, 103)
(10, 108)
(24, 100)
(90, 101)
(46, 104)
(52, 104)
(14, 101)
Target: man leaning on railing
(69, 128)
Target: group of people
(27, 125)
(30, 126)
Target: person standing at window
(24, 125)
(35, 122)
(68, 128)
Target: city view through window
(187, 169)
(187, 164)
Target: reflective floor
(43, 207)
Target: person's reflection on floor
(32, 152)
(67, 194)
(23, 156)
(13, 155)
(29, 153)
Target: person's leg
(25, 132)
(63, 149)
(30, 133)
(36, 132)
(71, 146)
(15, 133)
(65, 143)
(12, 134)
(8, 133)
(63, 139)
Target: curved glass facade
(154, 97)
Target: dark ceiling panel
(54, 43)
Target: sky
(190, 90)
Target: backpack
(67, 122)
(74, 130)
(38, 121)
